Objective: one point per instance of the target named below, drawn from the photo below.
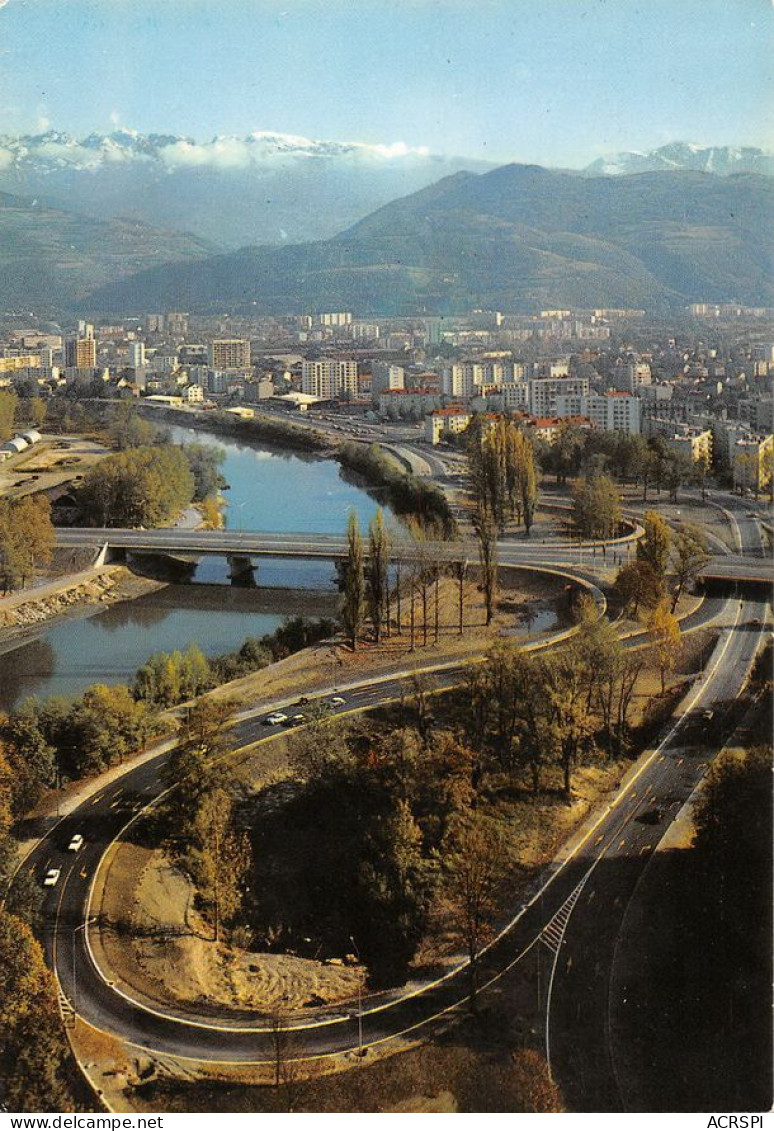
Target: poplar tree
(353, 612)
(378, 572)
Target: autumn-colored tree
(637, 585)
(220, 859)
(690, 557)
(655, 544)
(565, 683)
(33, 1051)
(26, 538)
(192, 766)
(8, 405)
(664, 630)
(596, 507)
(145, 486)
(475, 863)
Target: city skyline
(559, 84)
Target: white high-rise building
(544, 391)
(136, 355)
(329, 378)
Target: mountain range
(516, 238)
(265, 188)
(722, 160)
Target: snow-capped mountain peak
(723, 160)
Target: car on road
(276, 719)
(336, 701)
(651, 816)
(51, 878)
(295, 721)
(76, 843)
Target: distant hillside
(517, 238)
(50, 259)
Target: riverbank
(25, 616)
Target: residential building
(631, 375)
(80, 353)
(752, 462)
(452, 419)
(193, 394)
(329, 378)
(612, 412)
(386, 376)
(335, 318)
(136, 355)
(544, 391)
(409, 402)
(229, 353)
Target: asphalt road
(664, 784)
(576, 912)
(577, 1028)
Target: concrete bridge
(728, 568)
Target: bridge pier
(242, 571)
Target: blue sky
(551, 81)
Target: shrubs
(406, 494)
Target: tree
(664, 629)
(8, 405)
(486, 530)
(107, 725)
(26, 538)
(145, 486)
(353, 611)
(129, 430)
(614, 671)
(653, 548)
(459, 569)
(690, 557)
(596, 507)
(566, 681)
(637, 584)
(475, 863)
(221, 860)
(33, 1052)
(204, 460)
(378, 572)
(192, 767)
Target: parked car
(276, 719)
(51, 878)
(76, 843)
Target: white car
(337, 701)
(51, 878)
(76, 843)
(275, 720)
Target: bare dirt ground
(525, 603)
(54, 461)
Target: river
(268, 490)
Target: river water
(268, 490)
